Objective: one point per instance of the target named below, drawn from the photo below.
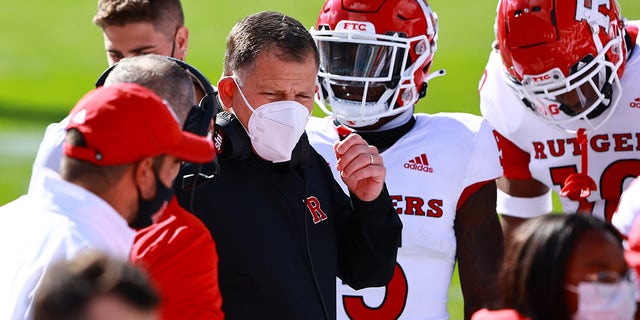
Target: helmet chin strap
(435, 74)
(578, 186)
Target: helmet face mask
(565, 62)
(576, 101)
(369, 62)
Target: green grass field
(52, 54)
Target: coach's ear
(181, 43)
(226, 90)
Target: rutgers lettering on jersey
(613, 162)
(613, 176)
(415, 206)
(616, 142)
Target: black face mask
(147, 208)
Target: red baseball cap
(125, 122)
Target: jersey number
(395, 298)
(611, 184)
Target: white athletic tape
(523, 207)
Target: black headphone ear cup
(230, 138)
(193, 122)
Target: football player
(562, 89)
(375, 59)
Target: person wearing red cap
(165, 249)
(122, 152)
(131, 28)
(176, 250)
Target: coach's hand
(360, 166)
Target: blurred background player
(137, 27)
(574, 65)
(564, 267)
(94, 286)
(374, 66)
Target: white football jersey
(553, 154)
(427, 171)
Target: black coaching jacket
(285, 231)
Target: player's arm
(519, 195)
(518, 199)
(480, 247)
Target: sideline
(18, 147)
(19, 143)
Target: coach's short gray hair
(166, 78)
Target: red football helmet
(375, 57)
(564, 57)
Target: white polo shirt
(50, 151)
(55, 221)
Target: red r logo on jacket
(314, 208)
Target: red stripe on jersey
(514, 161)
(468, 191)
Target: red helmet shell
(535, 36)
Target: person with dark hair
(94, 286)
(284, 229)
(135, 27)
(112, 179)
(564, 267)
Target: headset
(230, 137)
(197, 122)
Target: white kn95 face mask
(275, 127)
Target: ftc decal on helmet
(375, 57)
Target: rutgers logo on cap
(359, 26)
